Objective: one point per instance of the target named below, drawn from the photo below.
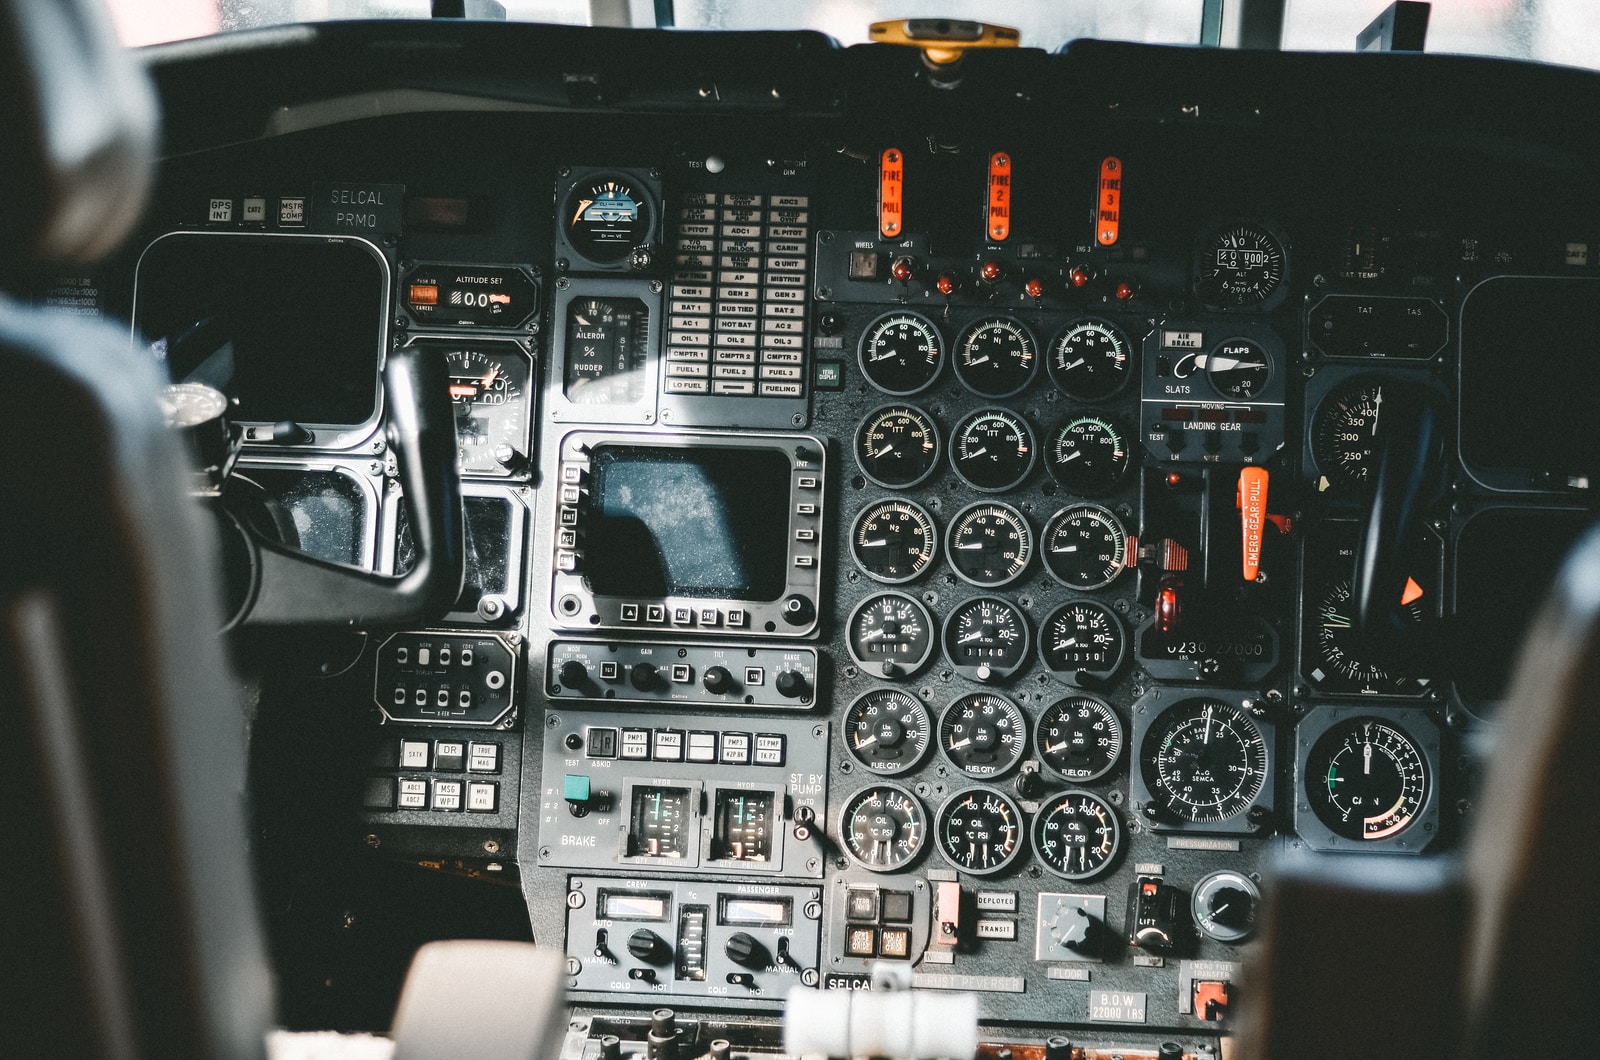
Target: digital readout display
(633, 905)
(469, 296)
(703, 522)
(733, 911)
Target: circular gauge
(1087, 455)
(983, 734)
(1240, 266)
(1083, 639)
(1339, 665)
(986, 639)
(1084, 547)
(894, 541)
(897, 446)
(992, 450)
(1089, 360)
(185, 405)
(883, 828)
(607, 215)
(990, 544)
(901, 353)
(1204, 760)
(488, 388)
(887, 730)
(1344, 435)
(980, 830)
(890, 634)
(997, 358)
(1077, 835)
(1366, 779)
(1238, 368)
(1079, 738)
(1224, 905)
(607, 346)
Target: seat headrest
(77, 133)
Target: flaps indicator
(891, 188)
(999, 213)
(1108, 214)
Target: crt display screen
(487, 546)
(291, 329)
(708, 522)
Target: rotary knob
(643, 676)
(645, 945)
(746, 950)
(717, 680)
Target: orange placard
(1108, 215)
(1252, 517)
(891, 189)
(999, 196)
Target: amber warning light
(424, 294)
(891, 189)
(1108, 225)
(999, 196)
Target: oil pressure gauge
(980, 831)
(883, 828)
(1077, 835)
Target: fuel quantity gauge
(887, 730)
(1080, 739)
(983, 734)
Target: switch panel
(445, 679)
(715, 676)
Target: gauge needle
(975, 544)
(885, 355)
(1070, 456)
(489, 377)
(1074, 364)
(970, 637)
(875, 543)
(977, 453)
(1207, 738)
(1064, 548)
(868, 742)
(1223, 363)
(886, 449)
(959, 746)
(1366, 759)
(981, 360)
(1069, 642)
(1377, 406)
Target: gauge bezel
(1020, 823)
(1109, 518)
(1097, 677)
(507, 349)
(912, 411)
(1043, 815)
(1204, 255)
(972, 329)
(1266, 379)
(1119, 339)
(1424, 733)
(958, 523)
(1156, 713)
(1020, 723)
(580, 178)
(875, 667)
(1091, 489)
(882, 768)
(848, 807)
(985, 672)
(930, 527)
(873, 330)
(1029, 437)
(1107, 711)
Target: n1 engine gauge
(890, 634)
(986, 639)
(901, 353)
(1241, 266)
(1077, 835)
(1083, 643)
(887, 730)
(1079, 739)
(1366, 779)
(1204, 761)
(983, 734)
(894, 541)
(1084, 546)
(1089, 360)
(897, 446)
(605, 215)
(980, 831)
(489, 391)
(993, 450)
(990, 544)
(1344, 433)
(1087, 455)
(883, 828)
(997, 357)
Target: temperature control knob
(746, 950)
(645, 945)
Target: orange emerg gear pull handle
(1252, 503)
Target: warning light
(903, 269)
(424, 294)
(1108, 214)
(1080, 276)
(1412, 593)
(1127, 290)
(946, 284)
(891, 189)
(991, 271)
(1034, 288)
(999, 215)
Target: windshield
(1553, 31)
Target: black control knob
(798, 610)
(721, 1049)
(645, 945)
(661, 1043)
(1083, 932)
(1231, 907)
(573, 673)
(1057, 1048)
(791, 684)
(610, 1047)
(1169, 1051)
(1028, 784)
(643, 676)
(746, 950)
(717, 680)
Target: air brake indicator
(891, 189)
(999, 196)
(1108, 214)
